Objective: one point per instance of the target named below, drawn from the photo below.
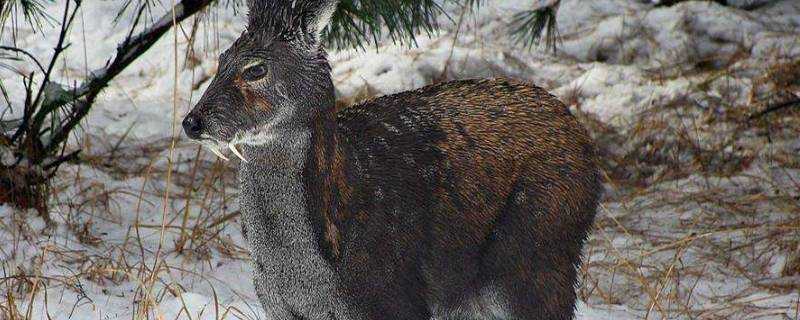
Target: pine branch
(76, 102)
(66, 22)
(528, 27)
(359, 22)
(32, 11)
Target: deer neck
(272, 197)
(292, 189)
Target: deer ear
(290, 18)
(318, 16)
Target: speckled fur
(462, 191)
(461, 200)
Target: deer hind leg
(532, 259)
(486, 305)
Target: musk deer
(461, 200)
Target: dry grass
(700, 196)
(84, 205)
(195, 227)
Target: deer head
(273, 80)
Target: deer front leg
(273, 305)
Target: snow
(619, 59)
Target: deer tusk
(236, 152)
(215, 151)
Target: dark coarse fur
(460, 187)
(462, 200)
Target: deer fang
(215, 150)
(236, 152)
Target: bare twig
(15, 49)
(31, 106)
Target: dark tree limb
(783, 105)
(26, 126)
(669, 3)
(72, 156)
(82, 98)
(66, 22)
(747, 7)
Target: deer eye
(255, 72)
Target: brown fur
(456, 200)
(251, 98)
(448, 182)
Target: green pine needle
(528, 27)
(359, 22)
(32, 11)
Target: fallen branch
(783, 105)
(753, 5)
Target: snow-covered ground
(700, 219)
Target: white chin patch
(263, 134)
(254, 137)
(250, 137)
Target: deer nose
(193, 126)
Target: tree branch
(26, 126)
(15, 49)
(60, 47)
(783, 105)
(131, 48)
(747, 6)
